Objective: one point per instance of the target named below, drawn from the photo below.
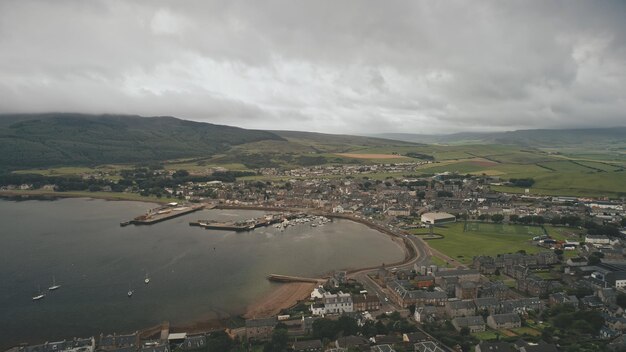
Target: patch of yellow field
(488, 172)
(371, 156)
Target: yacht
(39, 295)
(54, 286)
(130, 291)
(146, 280)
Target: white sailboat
(130, 291)
(54, 286)
(40, 295)
(146, 280)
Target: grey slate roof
(472, 320)
(506, 318)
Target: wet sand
(283, 297)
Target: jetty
(281, 220)
(169, 211)
(287, 278)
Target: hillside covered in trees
(41, 140)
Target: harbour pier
(287, 278)
(250, 224)
(169, 211)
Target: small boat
(130, 291)
(146, 280)
(40, 295)
(54, 286)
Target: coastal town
(312, 176)
(561, 286)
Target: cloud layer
(329, 66)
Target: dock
(167, 212)
(216, 225)
(246, 225)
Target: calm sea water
(195, 273)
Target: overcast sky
(328, 66)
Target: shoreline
(24, 195)
(283, 296)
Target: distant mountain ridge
(534, 138)
(337, 139)
(39, 140)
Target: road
(422, 256)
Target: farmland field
(371, 156)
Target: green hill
(40, 140)
(590, 138)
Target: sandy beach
(284, 296)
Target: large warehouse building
(437, 218)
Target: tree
(180, 173)
(369, 329)
(219, 341)
(278, 343)
(621, 300)
(324, 329)
(465, 331)
(513, 218)
(347, 326)
(381, 329)
(497, 218)
(522, 182)
(593, 260)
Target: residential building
(413, 337)
(504, 321)
(494, 347)
(308, 346)
(260, 329)
(337, 303)
(364, 302)
(425, 314)
(474, 323)
(352, 342)
(466, 290)
(458, 308)
(562, 298)
(490, 305)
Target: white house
(425, 314)
(597, 239)
(338, 303)
(318, 292)
(338, 209)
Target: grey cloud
(345, 67)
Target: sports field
(464, 240)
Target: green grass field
(556, 172)
(564, 233)
(463, 241)
(525, 330)
(487, 335)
